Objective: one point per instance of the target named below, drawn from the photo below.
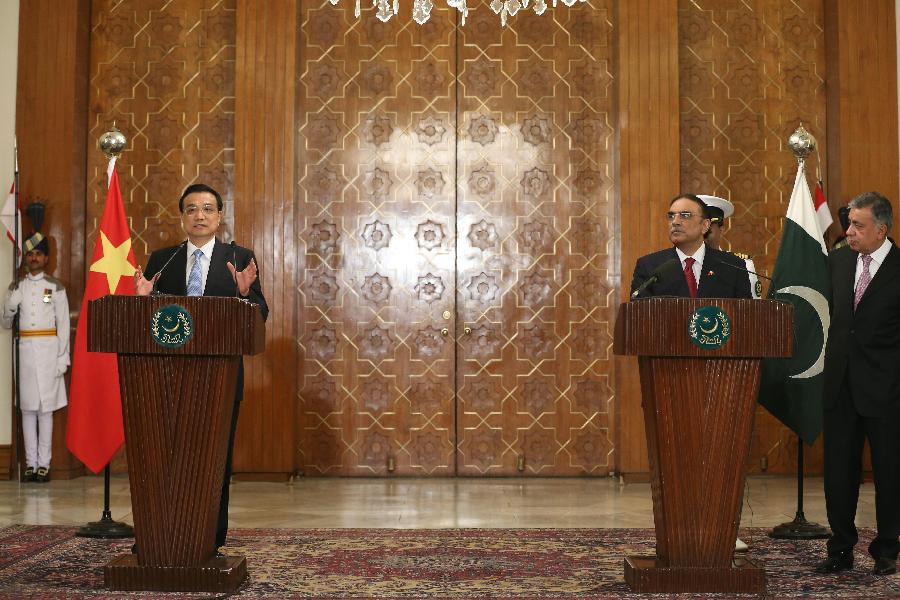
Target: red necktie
(689, 276)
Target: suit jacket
(717, 280)
(219, 281)
(864, 344)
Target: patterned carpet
(48, 562)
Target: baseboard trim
(261, 476)
(636, 477)
(6, 461)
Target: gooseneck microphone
(158, 274)
(663, 270)
(722, 262)
(237, 289)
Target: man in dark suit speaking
(690, 268)
(862, 384)
(204, 266)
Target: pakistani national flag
(791, 388)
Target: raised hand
(245, 278)
(142, 286)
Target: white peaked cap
(721, 203)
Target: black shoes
(28, 476)
(43, 475)
(884, 566)
(836, 563)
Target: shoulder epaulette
(59, 286)
(741, 255)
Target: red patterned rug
(48, 562)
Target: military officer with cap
(719, 209)
(43, 309)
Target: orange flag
(95, 430)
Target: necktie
(195, 279)
(864, 279)
(689, 275)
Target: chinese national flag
(95, 430)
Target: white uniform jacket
(43, 341)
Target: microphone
(153, 291)
(720, 262)
(670, 266)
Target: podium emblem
(709, 327)
(171, 326)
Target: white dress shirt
(698, 257)
(207, 250)
(877, 258)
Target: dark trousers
(845, 434)
(222, 525)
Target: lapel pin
(709, 273)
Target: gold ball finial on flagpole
(112, 142)
(802, 143)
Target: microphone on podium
(663, 270)
(159, 273)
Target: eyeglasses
(685, 215)
(208, 210)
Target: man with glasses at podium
(204, 266)
(690, 268)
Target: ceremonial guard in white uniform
(719, 209)
(43, 309)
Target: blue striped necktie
(195, 279)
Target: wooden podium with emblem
(178, 363)
(699, 362)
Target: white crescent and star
(820, 305)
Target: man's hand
(245, 278)
(142, 286)
(61, 369)
(15, 298)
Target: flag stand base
(799, 529)
(106, 527)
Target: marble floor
(420, 503)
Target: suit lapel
(217, 269)
(173, 277)
(886, 272)
(675, 284)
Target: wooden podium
(177, 404)
(699, 396)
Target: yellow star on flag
(114, 262)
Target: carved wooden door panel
(513, 262)
(535, 248)
(376, 146)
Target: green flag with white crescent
(791, 388)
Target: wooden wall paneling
(862, 100)
(648, 139)
(750, 73)
(536, 217)
(51, 112)
(376, 242)
(164, 73)
(264, 220)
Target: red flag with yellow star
(95, 430)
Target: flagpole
(112, 143)
(801, 144)
(14, 434)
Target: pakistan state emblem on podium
(709, 327)
(171, 326)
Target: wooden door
(536, 246)
(493, 231)
(376, 126)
